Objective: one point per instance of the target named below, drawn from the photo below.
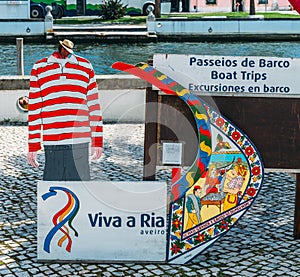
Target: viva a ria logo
(62, 218)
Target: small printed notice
(172, 153)
(232, 74)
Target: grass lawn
(142, 19)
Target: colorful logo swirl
(62, 218)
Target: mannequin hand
(31, 158)
(96, 153)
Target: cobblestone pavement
(261, 244)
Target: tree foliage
(112, 9)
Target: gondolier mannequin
(64, 114)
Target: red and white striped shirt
(63, 102)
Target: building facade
(234, 5)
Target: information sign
(235, 75)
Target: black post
(252, 7)
(157, 11)
(150, 137)
(297, 209)
(174, 5)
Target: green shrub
(112, 9)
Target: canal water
(103, 55)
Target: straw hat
(68, 45)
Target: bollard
(48, 21)
(150, 22)
(20, 62)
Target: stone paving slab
(261, 244)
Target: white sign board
(19, 9)
(226, 74)
(102, 221)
